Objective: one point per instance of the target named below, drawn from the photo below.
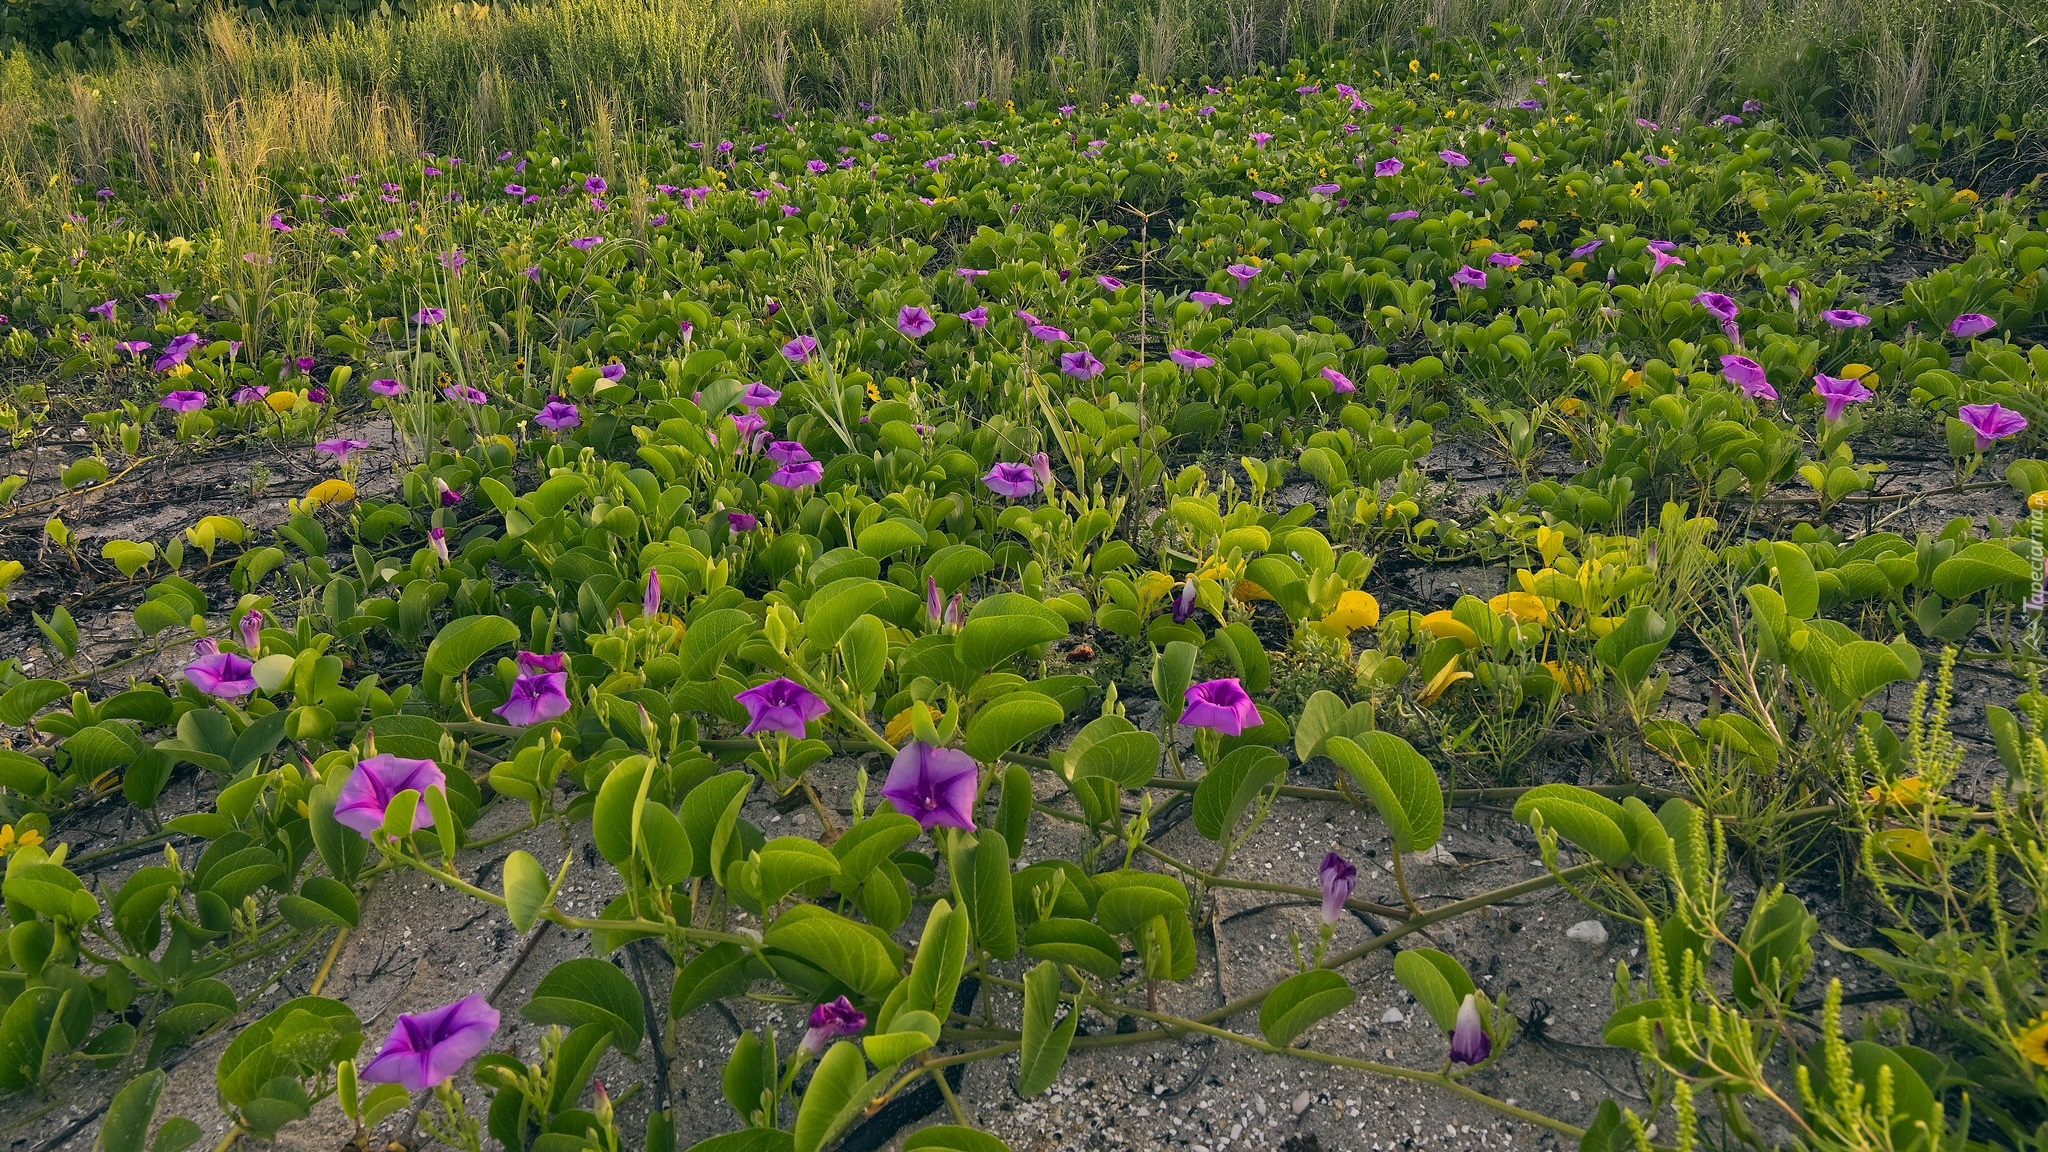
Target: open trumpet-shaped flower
(933, 786)
(184, 401)
(1971, 324)
(1468, 277)
(798, 474)
(558, 415)
(914, 322)
(781, 705)
(1839, 393)
(537, 697)
(369, 790)
(1013, 480)
(1188, 358)
(800, 349)
(1845, 318)
(1209, 300)
(1221, 706)
(222, 674)
(1748, 375)
(1991, 422)
(425, 1049)
(1080, 365)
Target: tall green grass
(463, 77)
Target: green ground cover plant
(1029, 471)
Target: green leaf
(988, 640)
(1635, 644)
(1129, 758)
(1299, 1002)
(1241, 646)
(464, 640)
(990, 901)
(1401, 784)
(941, 956)
(587, 990)
(1982, 565)
(1045, 1043)
(1130, 898)
(24, 700)
(717, 972)
(870, 842)
(1067, 940)
(1172, 672)
(848, 955)
(1008, 721)
(526, 889)
(789, 863)
(839, 1089)
(747, 1140)
(1588, 820)
(1230, 787)
(864, 648)
(952, 1138)
(126, 1127)
(1777, 942)
(1438, 983)
(1607, 1132)
(1796, 581)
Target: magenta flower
(801, 474)
(449, 496)
(341, 449)
(222, 674)
(1184, 604)
(1845, 318)
(1265, 197)
(759, 395)
(1454, 159)
(1469, 1042)
(737, 521)
(1468, 277)
(1025, 318)
(748, 423)
(1015, 481)
(133, 347)
(1504, 260)
(437, 540)
(1259, 139)
(1187, 358)
(1587, 249)
(1048, 333)
(914, 322)
(533, 662)
(1971, 324)
(1243, 273)
(376, 782)
(430, 316)
(934, 605)
(557, 415)
(1338, 877)
(251, 393)
(1209, 300)
(1389, 167)
(176, 351)
(1041, 469)
(613, 372)
(1326, 189)
(1839, 393)
(977, 316)
(464, 393)
(1219, 705)
(391, 389)
(1110, 282)
(251, 628)
(594, 185)
(787, 452)
(1664, 260)
(934, 786)
(426, 1049)
(781, 705)
(1339, 382)
(537, 697)
(968, 274)
(1080, 365)
(1991, 422)
(184, 401)
(800, 349)
(1403, 214)
(1720, 307)
(162, 300)
(1748, 375)
(829, 1022)
(650, 596)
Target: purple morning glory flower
(449, 496)
(800, 349)
(537, 697)
(613, 372)
(650, 595)
(515, 190)
(387, 388)
(737, 521)
(1845, 318)
(801, 474)
(1664, 260)
(1504, 260)
(1748, 375)
(1015, 481)
(162, 300)
(1389, 167)
(377, 781)
(1259, 139)
(933, 786)
(1403, 214)
(251, 393)
(465, 393)
(1339, 382)
(104, 309)
(437, 539)
(829, 1022)
(1587, 249)
(1453, 158)
(340, 448)
(222, 674)
(1243, 273)
(184, 401)
(968, 274)
(914, 322)
(594, 185)
(1469, 1042)
(1338, 877)
(781, 705)
(759, 395)
(1722, 308)
(1110, 282)
(1326, 189)
(1188, 358)
(1184, 604)
(1991, 422)
(1265, 197)
(176, 351)
(429, 316)
(133, 347)
(1839, 393)
(787, 452)
(748, 423)
(586, 243)
(1221, 706)
(1080, 365)
(1468, 277)
(1971, 324)
(557, 415)
(428, 1048)
(251, 628)
(1209, 300)
(1028, 320)
(976, 316)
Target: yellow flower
(1905, 791)
(1154, 585)
(1572, 406)
(2033, 1043)
(330, 492)
(10, 840)
(1967, 196)
(1632, 379)
(1549, 542)
(2038, 501)
(1526, 225)
(1414, 66)
(1354, 610)
(1742, 237)
(281, 401)
(1521, 607)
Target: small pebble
(1393, 1016)
(1587, 932)
(1302, 1102)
